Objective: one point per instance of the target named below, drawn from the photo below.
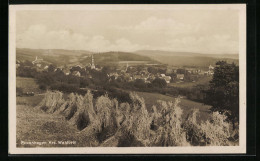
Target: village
(130, 73)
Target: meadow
(186, 105)
(150, 120)
(202, 81)
(27, 85)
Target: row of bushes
(104, 121)
(57, 80)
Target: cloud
(40, 37)
(37, 36)
(161, 26)
(221, 44)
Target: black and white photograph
(127, 79)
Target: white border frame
(128, 150)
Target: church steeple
(126, 66)
(92, 63)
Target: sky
(201, 31)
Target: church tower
(126, 67)
(92, 63)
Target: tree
(107, 70)
(139, 83)
(27, 63)
(223, 93)
(152, 70)
(173, 76)
(51, 68)
(181, 71)
(157, 82)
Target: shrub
(139, 83)
(130, 124)
(155, 118)
(193, 130)
(106, 121)
(84, 113)
(52, 101)
(67, 88)
(68, 103)
(157, 82)
(213, 132)
(138, 121)
(170, 132)
(43, 87)
(216, 131)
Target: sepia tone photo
(93, 79)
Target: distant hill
(61, 57)
(110, 58)
(187, 58)
(53, 56)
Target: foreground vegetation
(108, 116)
(106, 122)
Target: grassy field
(202, 81)
(34, 125)
(27, 84)
(46, 128)
(29, 100)
(186, 105)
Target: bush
(130, 124)
(106, 121)
(137, 120)
(43, 87)
(67, 88)
(139, 83)
(213, 132)
(157, 82)
(52, 101)
(26, 71)
(194, 134)
(216, 131)
(170, 131)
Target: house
(114, 74)
(46, 67)
(76, 73)
(211, 70)
(66, 71)
(169, 71)
(37, 61)
(162, 75)
(17, 63)
(38, 65)
(211, 67)
(143, 77)
(180, 76)
(167, 79)
(208, 73)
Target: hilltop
(187, 58)
(112, 58)
(52, 56)
(80, 57)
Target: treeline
(54, 78)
